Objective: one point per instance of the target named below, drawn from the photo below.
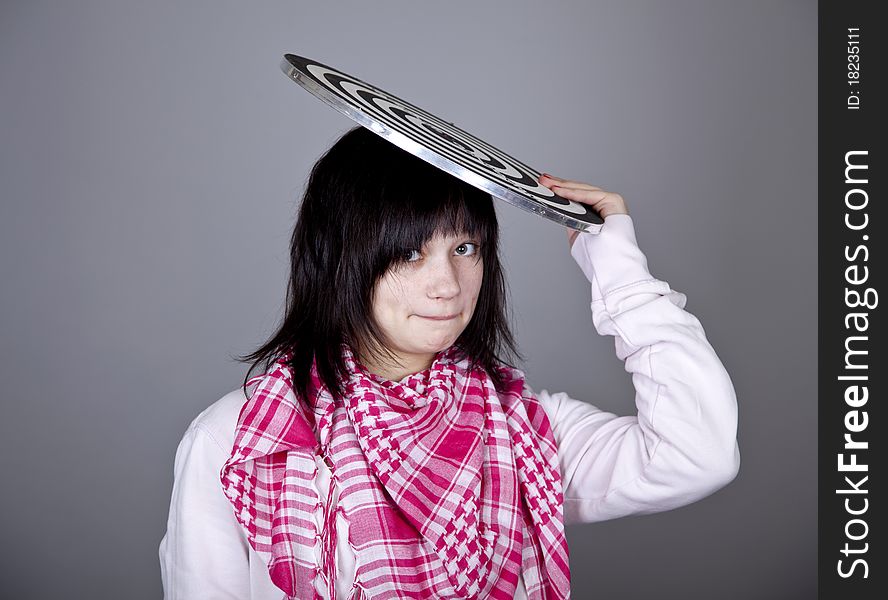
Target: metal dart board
(439, 143)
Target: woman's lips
(444, 318)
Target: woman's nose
(443, 280)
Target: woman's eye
(412, 255)
(467, 249)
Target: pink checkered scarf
(450, 489)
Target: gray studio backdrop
(152, 160)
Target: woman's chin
(435, 345)
(436, 348)
(436, 339)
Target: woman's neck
(398, 366)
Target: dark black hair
(366, 204)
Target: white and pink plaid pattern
(450, 489)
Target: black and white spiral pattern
(437, 141)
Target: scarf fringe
(329, 534)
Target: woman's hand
(604, 203)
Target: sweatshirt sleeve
(681, 445)
(203, 554)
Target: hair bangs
(423, 202)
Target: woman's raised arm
(681, 445)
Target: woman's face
(423, 305)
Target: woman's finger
(586, 196)
(604, 203)
(571, 236)
(549, 180)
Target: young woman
(390, 450)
